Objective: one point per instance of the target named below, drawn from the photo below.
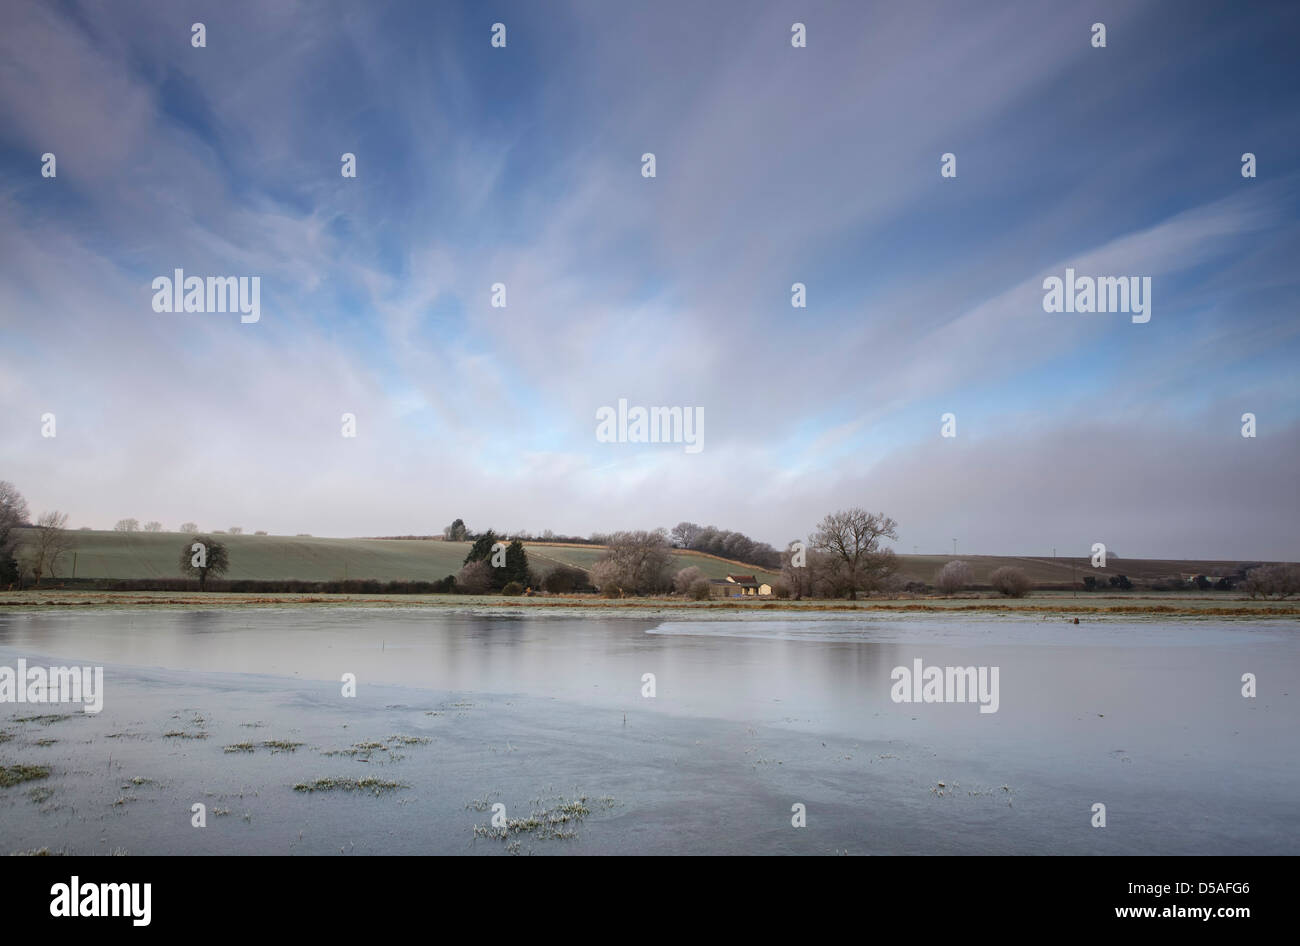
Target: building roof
(743, 579)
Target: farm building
(735, 586)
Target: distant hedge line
(253, 586)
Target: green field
(276, 558)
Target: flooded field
(552, 717)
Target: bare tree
(475, 578)
(684, 534)
(1010, 581)
(701, 589)
(1280, 580)
(127, 525)
(236, 530)
(154, 526)
(202, 556)
(851, 540)
(954, 576)
(802, 569)
(683, 580)
(13, 513)
(634, 563)
(605, 576)
(51, 542)
(189, 527)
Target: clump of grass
(34, 852)
(218, 812)
(40, 795)
(47, 741)
(275, 745)
(542, 828)
(572, 810)
(366, 749)
(280, 745)
(137, 781)
(178, 734)
(558, 821)
(5, 736)
(369, 784)
(45, 719)
(359, 748)
(17, 774)
(482, 804)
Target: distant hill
(277, 557)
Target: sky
(774, 165)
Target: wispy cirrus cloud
(521, 166)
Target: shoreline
(1043, 604)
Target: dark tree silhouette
(211, 558)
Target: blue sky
(775, 165)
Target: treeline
(546, 535)
(563, 580)
(459, 532)
(1257, 580)
(725, 543)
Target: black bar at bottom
(336, 895)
